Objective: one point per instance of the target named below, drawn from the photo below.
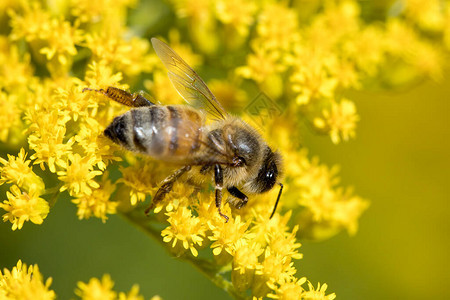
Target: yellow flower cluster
(24, 203)
(304, 57)
(63, 125)
(24, 283)
(97, 289)
(28, 283)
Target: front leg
(166, 187)
(218, 179)
(235, 192)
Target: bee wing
(188, 84)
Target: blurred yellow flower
(96, 289)
(339, 121)
(102, 289)
(319, 293)
(25, 283)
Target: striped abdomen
(171, 132)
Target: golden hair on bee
(228, 150)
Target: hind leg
(166, 187)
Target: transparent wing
(188, 84)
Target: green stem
(206, 267)
(55, 191)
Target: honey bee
(227, 149)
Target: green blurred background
(399, 160)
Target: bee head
(268, 172)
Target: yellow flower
(96, 289)
(102, 290)
(25, 283)
(426, 13)
(72, 101)
(274, 268)
(197, 9)
(311, 79)
(97, 204)
(30, 23)
(427, 60)
(136, 177)
(101, 75)
(230, 96)
(16, 170)
(319, 293)
(263, 227)
(261, 65)
(185, 231)
(15, 68)
(339, 121)
(9, 116)
(61, 38)
(47, 137)
(227, 235)
(236, 13)
(106, 11)
(133, 294)
(78, 176)
(288, 289)
(130, 56)
(24, 206)
(366, 50)
(95, 144)
(277, 27)
(245, 262)
(284, 243)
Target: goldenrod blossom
(245, 262)
(25, 283)
(227, 235)
(78, 177)
(17, 170)
(96, 289)
(185, 231)
(288, 289)
(24, 206)
(102, 289)
(339, 121)
(47, 137)
(319, 293)
(98, 203)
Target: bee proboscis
(228, 149)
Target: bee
(226, 149)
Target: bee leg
(123, 97)
(166, 187)
(235, 192)
(218, 178)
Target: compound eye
(269, 175)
